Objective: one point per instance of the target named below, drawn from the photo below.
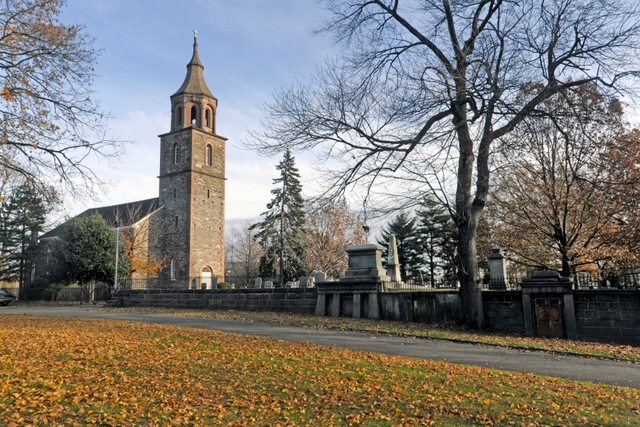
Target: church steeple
(192, 183)
(194, 81)
(193, 105)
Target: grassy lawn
(66, 371)
(438, 331)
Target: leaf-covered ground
(439, 331)
(66, 371)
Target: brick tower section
(192, 181)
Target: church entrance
(205, 278)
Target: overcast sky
(249, 49)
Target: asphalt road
(570, 367)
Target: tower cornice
(194, 128)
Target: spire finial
(195, 34)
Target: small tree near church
(281, 233)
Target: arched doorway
(205, 278)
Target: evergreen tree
(22, 220)
(85, 251)
(436, 236)
(404, 229)
(281, 233)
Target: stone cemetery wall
(422, 307)
(503, 310)
(295, 300)
(608, 315)
(292, 300)
(601, 315)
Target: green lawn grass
(67, 371)
(435, 331)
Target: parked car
(6, 297)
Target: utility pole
(115, 281)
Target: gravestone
(320, 277)
(393, 265)
(356, 294)
(497, 270)
(268, 284)
(305, 282)
(365, 264)
(257, 283)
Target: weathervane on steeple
(195, 33)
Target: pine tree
(436, 236)
(22, 220)
(281, 233)
(404, 229)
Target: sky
(249, 49)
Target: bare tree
(49, 124)
(425, 87)
(569, 200)
(331, 228)
(242, 254)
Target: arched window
(194, 115)
(207, 115)
(209, 155)
(173, 269)
(179, 116)
(176, 154)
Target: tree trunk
(469, 275)
(468, 211)
(566, 265)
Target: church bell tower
(192, 170)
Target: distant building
(184, 226)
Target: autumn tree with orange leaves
(136, 242)
(331, 228)
(568, 200)
(143, 262)
(50, 122)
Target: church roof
(126, 213)
(194, 81)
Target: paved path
(575, 368)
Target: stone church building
(184, 226)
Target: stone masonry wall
(207, 205)
(601, 315)
(295, 300)
(423, 307)
(503, 310)
(175, 194)
(192, 195)
(608, 315)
